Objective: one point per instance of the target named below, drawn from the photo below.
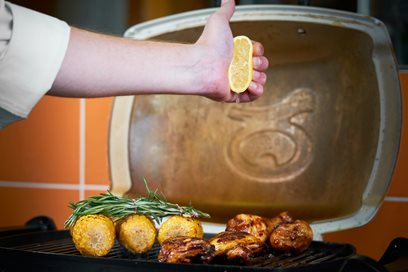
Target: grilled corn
(177, 225)
(93, 235)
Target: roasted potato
(93, 235)
(178, 225)
(136, 233)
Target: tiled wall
(60, 155)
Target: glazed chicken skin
(237, 247)
(282, 218)
(253, 224)
(291, 237)
(184, 249)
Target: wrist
(209, 72)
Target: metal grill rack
(57, 246)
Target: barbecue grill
(326, 136)
(54, 251)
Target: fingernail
(256, 61)
(253, 86)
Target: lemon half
(240, 69)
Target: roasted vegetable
(136, 233)
(180, 226)
(93, 235)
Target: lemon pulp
(240, 69)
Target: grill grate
(60, 243)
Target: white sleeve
(30, 59)
(5, 28)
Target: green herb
(154, 205)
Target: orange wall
(46, 161)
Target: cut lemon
(240, 69)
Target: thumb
(227, 8)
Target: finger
(259, 77)
(227, 8)
(260, 63)
(255, 89)
(258, 49)
(233, 97)
(252, 97)
(237, 99)
(249, 96)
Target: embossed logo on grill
(272, 144)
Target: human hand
(130, 67)
(217, 44)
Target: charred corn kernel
(93, 235)
(136, 233)
(178, 225)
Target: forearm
(97, 65)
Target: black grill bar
(286, 261)
(317, 254)
(50, 246)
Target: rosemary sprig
(154, 205)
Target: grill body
(54, 251)
(320, 143)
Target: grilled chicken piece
(252, 224)
(136, 233)
(183, 249)
(93, 235)
(291, 237)
(180, 226)
(240, 247)
(282, 218)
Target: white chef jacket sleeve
(32, 48)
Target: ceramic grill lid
(321, 142)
